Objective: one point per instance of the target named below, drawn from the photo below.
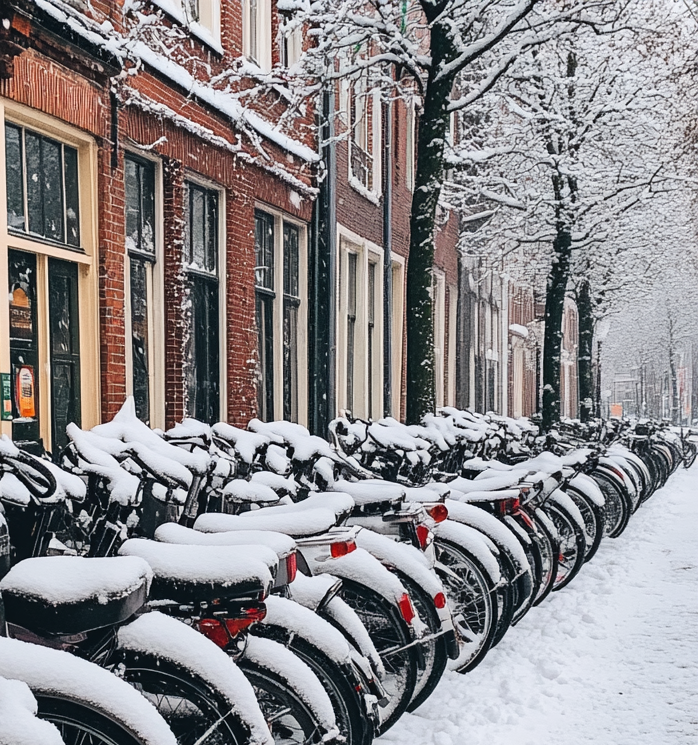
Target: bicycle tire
(472, 603)
(191, 708)
(391, 636)
(548, 553)
(80, 723)
(617, 506)
(593, 520)
(289, 718)
(353, 724)
(435, 651)
(572, 544)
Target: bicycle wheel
(339, 683)
(471, 600)
(434, 651)
(391, 637)
(81, 724)
(593, 520)
(195, 713)
(571, 541)
(289, 718)
(548, 554)
(617, 507)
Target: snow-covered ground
(610, 660)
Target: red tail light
(423, 535)
(440, 600)
(438, 512)
(214, 630)
(406, 608)
(342, 549)
(252, 615)
(291, 566)
(508, 506)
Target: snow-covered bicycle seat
(188, 573)
(66, 595)
(314, 515)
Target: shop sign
(5, 397)
(20, 315)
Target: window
(42, 186)
(264, 302)
(256, 32)
(439, 316)
(290, 40)
(360, 328)
(202, 18)
(201, 257)
(396, 328)
(281, 317)
(141, 258)
(410, 145)
(351, 328)
(363, 116)
(292, 303)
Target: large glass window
(279, 305)
(140, 244)
(42, 186)
(201, 257)
(264, 302)
(292, 303)
(351, 327)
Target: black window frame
(265, 297)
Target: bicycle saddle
(186, 573)
(66, 595)
(314, 515)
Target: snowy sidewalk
(610, 660)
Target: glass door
(64, 343)
(24, 346)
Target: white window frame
(410, 143)
(263, 32)
(156, 307)
(397, 333)
(452, 341)
(278, 312)
(86, 259)
(439, 319)
(293, 39)
(206, 29)
(222, 288)
(367, 252)
(371, 137)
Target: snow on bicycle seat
(305, 446)
(280, 543)
(314, 515)
(65, 595)
(485, 496)
(371, 491)
(189, 573)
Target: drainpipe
(387, 258)
(331, 161)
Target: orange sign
(617, 410)
(25, 392)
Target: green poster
(5, 397)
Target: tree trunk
(585, 372)
(433, 125)
(554, 310)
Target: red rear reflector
(214, 630)
(508, 506)
(406, 609)
(423, 534)
(252, 615)
(440, 600)
(291, 566)
(342, 549)
(438, 513)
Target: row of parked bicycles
(211, 585)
